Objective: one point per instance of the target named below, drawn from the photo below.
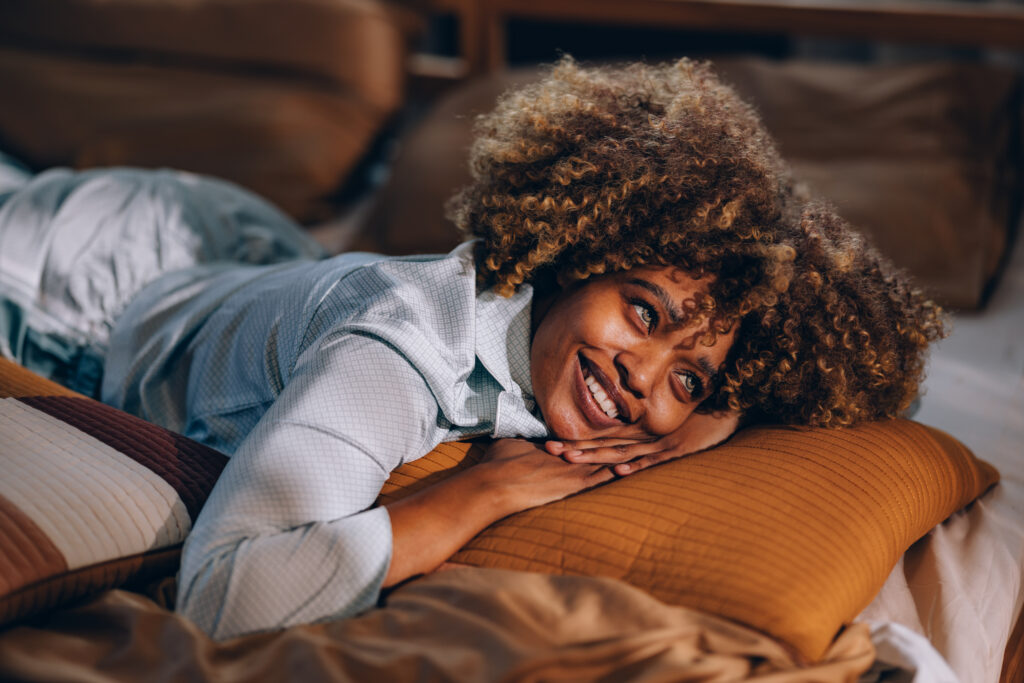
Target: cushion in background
(283, 97)
(925, 158)
(359, 44)
(110, 507)
(790, 531)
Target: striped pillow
(790, 531)
(90, 498)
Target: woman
(643, 276)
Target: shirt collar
(503, 339)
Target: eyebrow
(675, 312)
(710, 370)
(676, 316)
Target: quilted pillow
(90, 498)
(790, 531)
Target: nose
(639, 368)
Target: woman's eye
(691, 383)
(646, 315)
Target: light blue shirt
(320, 378)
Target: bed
(564, 593)
(784, 554)
(505, 607)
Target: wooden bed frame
(483, 23)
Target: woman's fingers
(610, 454)
(524, 475)
(596, 450)
(643, 462)
(699, 432)
(557, 447)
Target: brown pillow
(791, 531)
(283, 97)
(925, 158)
(91, 498)
(354, 43)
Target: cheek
(548, 368)
(667, 415)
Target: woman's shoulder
(418, 285)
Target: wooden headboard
(483, 23)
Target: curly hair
(597, 170)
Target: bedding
(57, 227)
(354, 43)
(537, 628)
(802, 605)
(791, 531)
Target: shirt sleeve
(288, 535)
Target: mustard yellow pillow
(789, 530)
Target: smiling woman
(626, 355)
(591, 171)
(642, 276)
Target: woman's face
(616, 356)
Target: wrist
(487, 491)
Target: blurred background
(354, 116)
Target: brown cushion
(283, 97)
(790, 531)
(921, 157)
(290, 142)
(91, 498)
(407, 215)
(359, 44)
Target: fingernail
(556, 444)
(625, 468)
(574, 453)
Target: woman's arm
(289, 534)
(429, 526)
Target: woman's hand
(523, 475)
(428, 526)
(700, 432)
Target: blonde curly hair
(597, 170)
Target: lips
(602, 402)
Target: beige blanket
(465, 624)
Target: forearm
(233, 582)
(429, 526)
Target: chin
(562, 426)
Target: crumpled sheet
(76, 246)
(463, 625)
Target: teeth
(607, 405)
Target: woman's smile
(622, 355)
(595, 394)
